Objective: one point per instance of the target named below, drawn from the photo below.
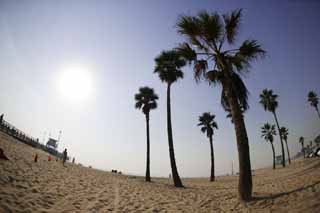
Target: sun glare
(75, 83)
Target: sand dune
(45, 186)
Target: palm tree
(207, 123)
(301, 141)
(208, 35)
(284, 134)
(168, 67)
(146, 100)
(229, 115)
(270, 103)
(314, 100)
(268, 131)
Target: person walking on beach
(36, 158)
(64, 156)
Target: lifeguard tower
(52, 145)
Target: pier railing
(13, 131)
(21, 136)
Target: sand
(45, 186)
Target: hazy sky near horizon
(116, 42)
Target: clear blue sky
(117, 41)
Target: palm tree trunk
(274, 156)
(282, 148)
(303, 150)
(148, 179)
(245, 177)
(289, 159)
(317, 111)
(176, 179)
(212, 177)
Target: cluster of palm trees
(211, 49)
(269, 102)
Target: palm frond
(214, 76)
(168, 66)
(185, 51)
(207, 123)
(203, 129)
(268, 131)
(232, 24)
(200, 68)
(313, 99)
(268, 100)
(211, 27)
(250, 49)
(146, 99)
(284, 132)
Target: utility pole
(232, 168)
(59, 137)
(44, 137)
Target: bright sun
(75, 83)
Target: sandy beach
(49, 187)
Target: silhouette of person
(36, 158)
(73, 160)
(64, 156)
(1, 119)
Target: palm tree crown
(168, 66)
(269, 100)
(313, 99)
(301, 140)
(146, 99)
(268, 131)
(284, 133)
(206, 35)
(207, 123)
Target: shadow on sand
(271, 197)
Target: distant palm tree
(208, 37)
(270, 103)
(284, 134)
(168, 67)
(207, 123)
(267, 132)
(301, 141)
(146, 100)
(314, 100)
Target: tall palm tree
(207, 123)
(208, 37)
(146, 100)
(229, 115)
(314, 100)
(168, 67)
(284, 134)
(267, 132)
(301, 141)
(270, 103)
